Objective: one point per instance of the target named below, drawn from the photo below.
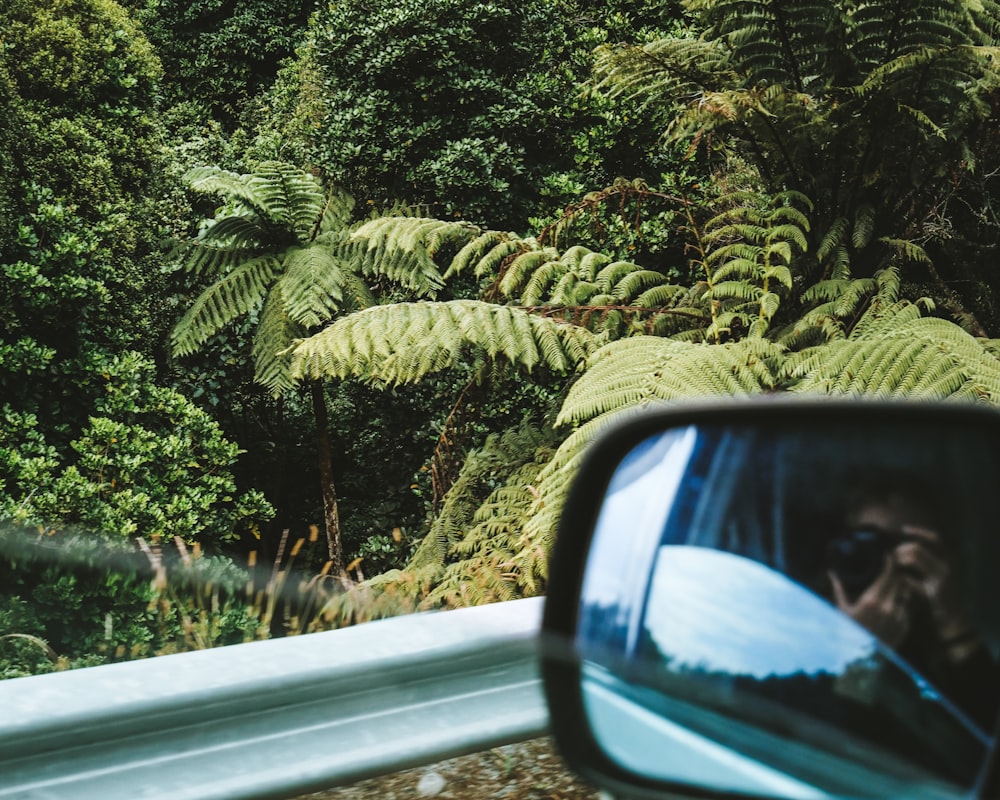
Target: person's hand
(882, 608)
(933, 577)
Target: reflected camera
(857, 558)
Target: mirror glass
(797, 611)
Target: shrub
(149, 463)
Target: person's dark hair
(881, 488)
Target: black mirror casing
(561, 663)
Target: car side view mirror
(770, 598)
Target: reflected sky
(721, 611)
(632, 517)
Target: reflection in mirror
(816, 600)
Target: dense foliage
(148, 463)
(223, 54)
(78, 259)
(470, 109)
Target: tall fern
(283, 244)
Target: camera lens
(857, 558)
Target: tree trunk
(331, 517)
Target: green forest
(310, 310)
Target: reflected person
(895, 572)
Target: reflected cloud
(724, 612)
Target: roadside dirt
(529, 770)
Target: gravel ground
(525, 771)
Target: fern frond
(834, 238)
(387, 595)
(312, 284)
(817, 326)
(215, 180)
(587, 263)
(718, 234)
(645, 369)
(667, 295)
(785, 209)
(643, 287)
(290, 197)
(889, 283)
(784, 43)
(571, 290)
(864, 226)
(737, 251)
(355, 294)
(279, 192)
(226, 300)
(274, 335)
(490, 584)
(745, 268)
(538, 289)
(736, 290)
(336, 213)
(224, 243)
(402, 343)
(522, 269)
(624, 377)
(652, 73)
(907, 250)
(472, 541)
(785, 235)
(403, 249)
(835, 289)
(484, 254)
(902, 354)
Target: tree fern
(282, 240)
(277, 193)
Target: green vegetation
(422, 253)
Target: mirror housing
(708, 629)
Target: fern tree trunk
(331, 517)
